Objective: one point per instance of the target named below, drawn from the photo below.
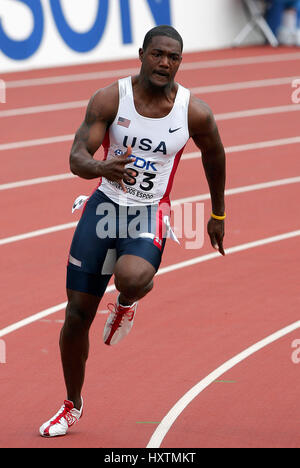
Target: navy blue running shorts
(105, 232)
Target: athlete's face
(161, 60)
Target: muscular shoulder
(103, 105)
(201, 118)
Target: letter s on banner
(81, 42)
(20, 50)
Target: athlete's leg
(86, 285)
(90, 266)
(138, 259)
(74, 347)
(74, 341)
(133, 278)
(139, 256)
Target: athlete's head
(163, 30)
(161, 55)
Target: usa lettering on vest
(145, 144)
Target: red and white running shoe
(119, 322)
(66, 417)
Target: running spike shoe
(119, 322)
(66, 417)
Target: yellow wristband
(220, 218)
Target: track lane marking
(240, 85)
(37, 142)
(219, 117)
(258, 112)
(235, 86)
(177, 266)
(205, 64)
(185, 157)
(191, 199)
(37, 181)
(167, 422)
(38, 233)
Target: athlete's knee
(132, 285)
(133, 276)
(76, 315)
(80, 313)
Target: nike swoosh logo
(174, 130)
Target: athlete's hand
(115, 169)
(215, 229)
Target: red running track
(200, 315)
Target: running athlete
(143, 123)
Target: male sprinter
(143, 123)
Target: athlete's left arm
(204, 131)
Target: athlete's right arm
(100, 113)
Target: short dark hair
(163, 30)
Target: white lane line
(195, 198)
(33, 318)
(237, 86)
(263, 144)
(36, 142)
(205, 64)
(60, 79)
(233, 62)
(37, 180)
(219, 117)
(167, 422)
(185, 157)
(255, 112)
(37, 233)
(177, 266)
(249, 147)
(237, 190)
(198, 90)
(230, 250)
(43, 108)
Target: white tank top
(157, 145)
